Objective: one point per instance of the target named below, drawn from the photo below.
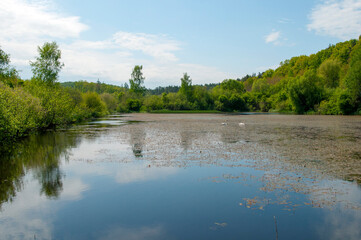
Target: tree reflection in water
(40, 154)
(137, 139)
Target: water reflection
(21, 218)
(185, 177)
(30, 215)
(142, 173)
(137, 139)
(138, 233)
(51, 180)
(40, 154)
(340, 225)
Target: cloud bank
(24, 25)
(340, 19)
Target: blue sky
(210, 40)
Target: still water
(194, 176)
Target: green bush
(153, 102)
(345, 102)
(55, 100)
(133, 105)
(95, 106)
(20, 112)
(305, 93)
(110, 101)
(176, 101)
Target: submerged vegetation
(328, 82)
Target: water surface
(186, 176)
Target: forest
(327, 82)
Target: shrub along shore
(328, 82)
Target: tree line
(327, 82)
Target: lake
(186, 176)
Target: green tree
(186, 87)
(233, 86)
(95, 105)
(8, 75)
(153, 102)
(110, 101)
(47, 66)
(137, 80)
(56, 102)
(4, 61)
(305, 92)
(20, 112)
(353, 77)
(202, 98)
(330, 71)
(260, 85)
(133, 105)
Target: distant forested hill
(327, 82)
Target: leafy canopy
(137, 80)
(47, 66)
(8, 74)
(186, 86)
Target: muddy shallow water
(186, 176)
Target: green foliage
(330, 71)
(232, 86)
(261, 86)
(84, 86)
(20, 112)
(249, 83)
(175, 101)
(137, 80)
(47, 66)
(353, 77)
(339, 102)
(95, 106)
(186, 87)
(133, 105)
(160, 90)
(280, 101)
(233, 103)
(8, 74)
(4, 61)
(56, 102)
(202, 98)
(305, 92)
(344, 102)
(153, 102)
(110, 101)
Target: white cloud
(273, 37)
(158, 46)
(24, 25)
(114, 58)
(341, 19)
(33, 19)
